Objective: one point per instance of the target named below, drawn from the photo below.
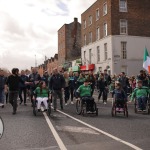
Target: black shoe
(45, 109)
(62, 108)
(39, 110)
(2, 106)
(14, 112)
(21, 102)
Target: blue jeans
(142, 101)
(2, 96)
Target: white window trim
(90, 22)
(122, 57)
(105, 13)
(98, 54)
(84, 24)
(97, 34)
(90, 37)
(104, 30)
(126, 27)
(121, 8)
(97, 18)
(85, 40)
(105, 51)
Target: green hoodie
(43, 93)
(84, 90)
(139, 92)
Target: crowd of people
(66, 85)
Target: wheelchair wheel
(34, 108)
(135, 107)
(113, 110)
(49, 109)
(96, 111)
(79, 107)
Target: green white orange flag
(146, 60)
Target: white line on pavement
(56, 136)
(101, 131)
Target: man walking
(13, 83)
(34, 79)
(56, 85)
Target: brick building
(69, 42)
(52, 63)
(114, 35)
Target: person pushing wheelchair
(84, 92)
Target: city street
(24, 131)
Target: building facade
(114, 34)
(69, 42)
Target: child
(119, 96)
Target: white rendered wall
(135, 51)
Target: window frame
(123, 26)
(123, 9)
(90, 37)
(105, 52)
(123, 50)
(105, 11)
(105, 31)
(84, 24)
(85, 40)
(97, 33)
(97, 16)
(90, 20)
(98, 54)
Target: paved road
(23, 131)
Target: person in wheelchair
(84, 92)
(41, 94)
(141, 94)
(119, 97)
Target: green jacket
(84, 90)
(44, 92)
(139, 92)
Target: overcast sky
(29, 28)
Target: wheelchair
(147, 105)
(117, 108)
(35, 111)
(81, 107)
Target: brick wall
(137, 15)
(69, 42)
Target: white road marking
(56, 136)
(77, 129)
(101, 131)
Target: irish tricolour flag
(146, 60)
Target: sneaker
(139, 110)
(88, 112)
(121, 109)
(72, 102)
(105, 103)
(117, 109)
(66, 104)
(14, 112)
(144, 110)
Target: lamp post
(35, 62)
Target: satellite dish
(1, 127)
